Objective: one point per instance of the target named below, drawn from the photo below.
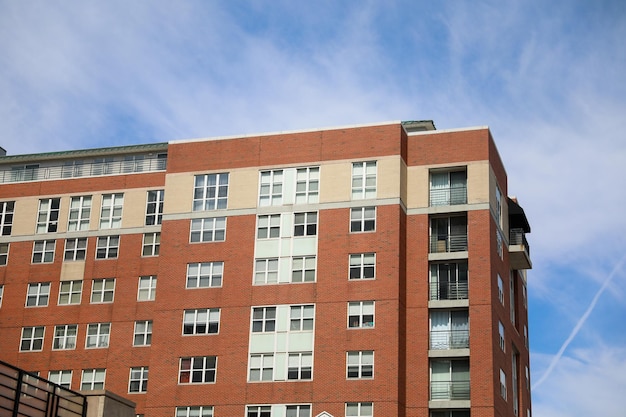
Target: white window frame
(300, 366)
(210, 272)
(107, 247)
(266, 271)
(201, 321)
(111, 210)
(360, 408)
(195, 411)
(100, 290)
(362, 266)
(271, 184)
(305, 224)
(500, 290)
(62, 378)
(362, 220)
(154, 207)
(33, 336)
(210, 192)
(501, 336)
(146, 288)
(93, 379)
(6, 217)
(503, 384)
(364, 180)
(263, 319)
(301, 318)
(358, 312)
(151, 244)
(268, 226)
(208, 229)
(38, 294)
(303, 269)
(43, 251)
(298, 410)
(4, 253)
(307, 185)
(75, 249)
(80, 213)
(261, 367)
(1, 293)
(48, 215)
(360, 364)
(259, 411)
(142, 333)
(65, 336)
(207, 369)
(98, 336)
(138, 380)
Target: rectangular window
(363, 180)
(80, 213)
(6, 217)
(1, 294)
(72, 169)
(146, 288)
(258, 411)
(154, 207)
(502, 384)
(512, 296)
(363, 219)
(360, 314)
(75, 249)
(98, 335)
(268, 226)
(360, 364)
(301, 318)
(449, 329)
(359, 409)
(48, 215)
(38, 294)
(62, 378)
(362, 266)
(266, 271)
(303, 269)
(92, 379)
(448, 187)
(212, 229)
(263, 319)
(448, 234)
(107, 247)
(111, 212)
(271, 188)
(210, 192)
(261, 367)
(307, 185)
(151, 244)
(300, 366)
(65, 336)
(205, 274)
(142, 335)
(43, 251)
(305, 224)
(70, 292)
(32, 338)
(500, 290)
(4, 253)
(197, 411)
(501, 332)
(197, 370)
(448, 281)
(449, 380)
(450, 413)
(201, 321)
(298, 411)
(138, 380)
(102, 290)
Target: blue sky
(549, 78)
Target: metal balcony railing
(77, 169)
(448, 243)
(25, 394)
(518, 237)
(449, 390)
(448, 196)
(449, 290)
(449, 339)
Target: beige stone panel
(478, 189)
(96, 208)
(243, 188)
(335, 182)
(417, 187)
(134, 212)
(178, 193)
(71, 271)
(492, 202)
(388, 177)
(403, 183)
(25, 216)
(64, 211)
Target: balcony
(449, 290)
(448, 243)
(519, 250)
(448, 196)
(449, 339)
(450, 390)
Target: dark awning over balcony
(517, 217)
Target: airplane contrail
(579, 324)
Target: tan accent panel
(134, 211)
(478, 188)
(178, 193)
(335, 182)
(388, 177)
(64, 212)
(492, 202)
(417, 187)
(243, 188)
(71, 271)
(96, 208)
(403, 183)
(25, 216)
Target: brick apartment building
(374, 270)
